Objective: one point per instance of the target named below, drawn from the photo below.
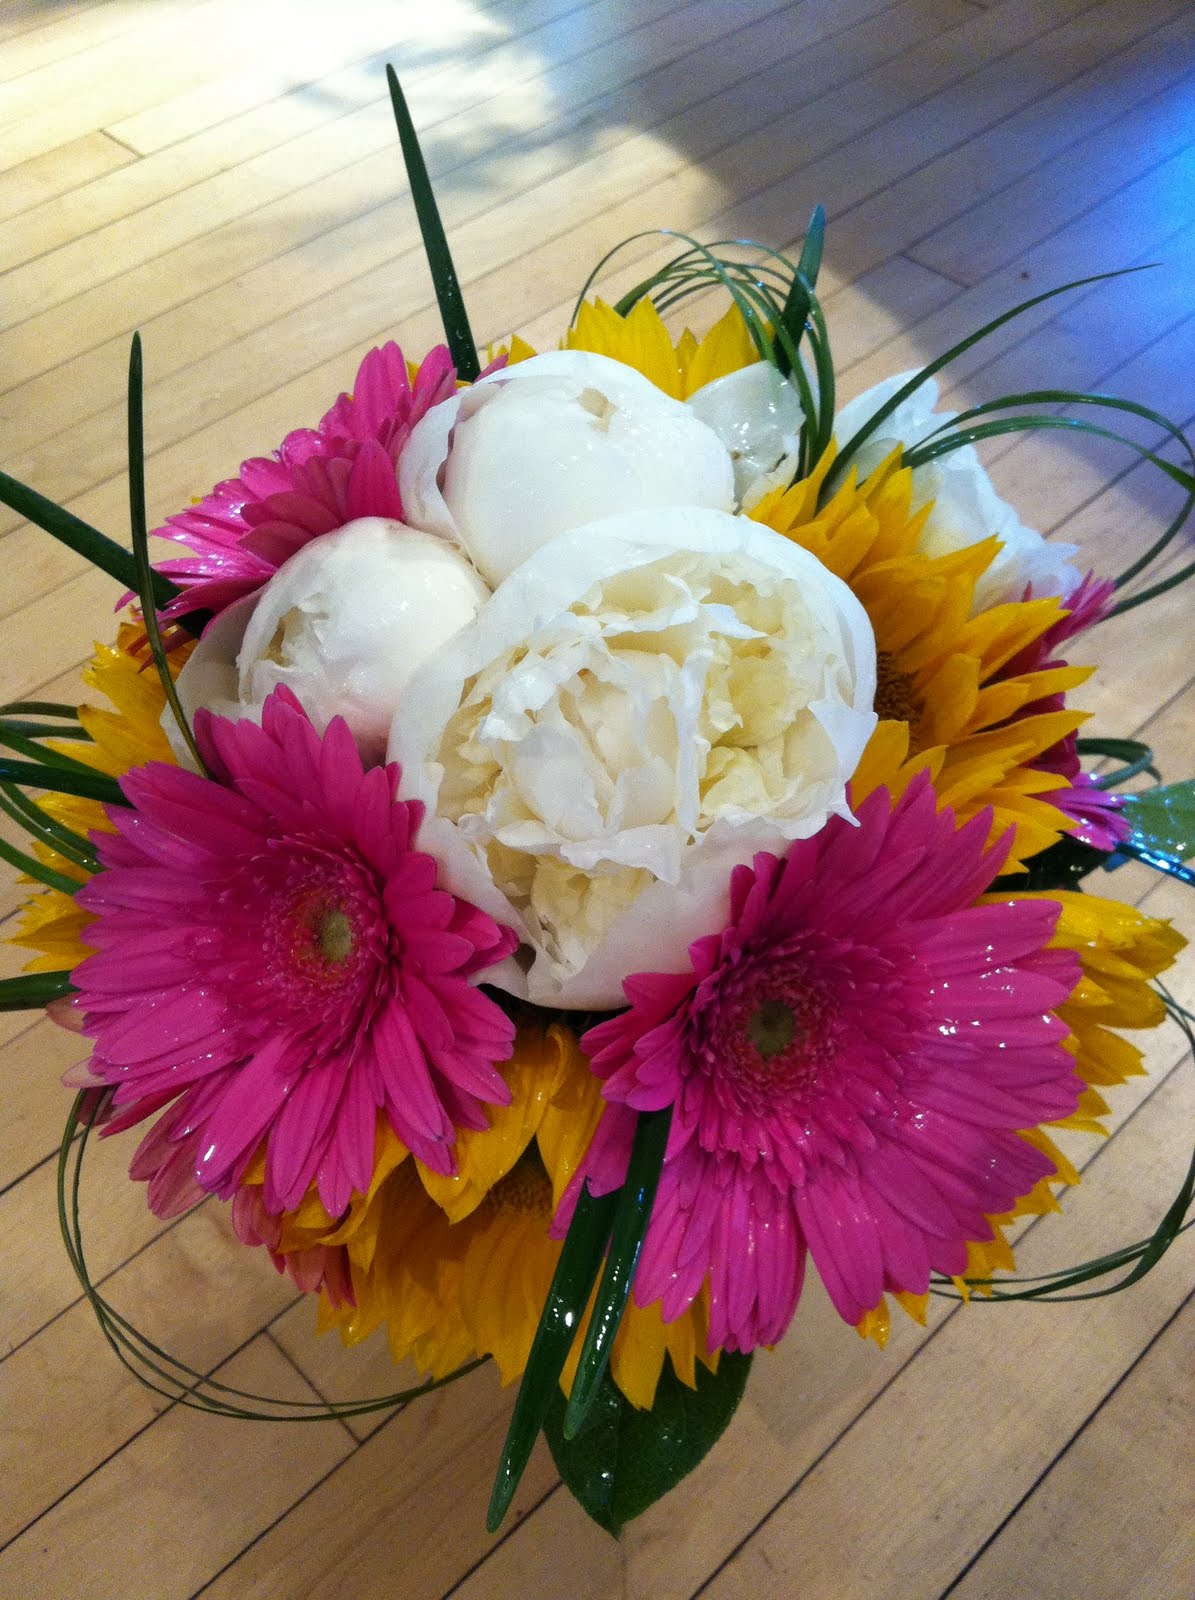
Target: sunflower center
(525, 1189)
(896, 698)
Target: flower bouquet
(577, 838)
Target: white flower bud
(550, 444)
(344, 623)
(757, 415)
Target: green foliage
(62, 780)
(572, 1283)
(33, 990)
(140, 532)
(1063, 866)
(1163, 819)
(627, 1233)
(457, 334)
(623, 1460)
(776, 299)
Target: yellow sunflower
(461, 1266)
(1120, 952)
(640, 339)
(945, 698)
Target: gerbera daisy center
(771, 1028)
(774, 1039)
(335, 935)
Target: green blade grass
(45, 730)
(40, 708)
(149, 1363)
(631, 1219)
(33, 991)
(800, 296)
(457, 333)
(874, 422)
(12, 739)
(1135, 756)
(140, 534)
(37, 870)
(45, 828)
(1068, 1284)
(61, 780)
(572, 1283)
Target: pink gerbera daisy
(319, 480)
(274, 957)
(849, 1063)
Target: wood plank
(32, 37)
(39, 1281)
(1126, 112)
(165, 187)
(366, 1371)
(403, 1516)
(34, 1062)
(465, 191)
(1031, 1376)
(179, 1474)
(969, 249)
(67, 1404)
(410, 38)
(44, 179)
(1132, 1527)
(76, 94)
(179, 408)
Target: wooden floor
(223, 174)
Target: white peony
(966, 506)
(550, 444)
(644, 704)
(757, 415)
(344, 623)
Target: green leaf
(457, 333)
(624, 1459)
(572, 1284)
(45, 730)
(62, 780)
(81, 537)
(800, 295)
(140, 535)
(635, 1201)
(33, 990)
(1164, 818)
